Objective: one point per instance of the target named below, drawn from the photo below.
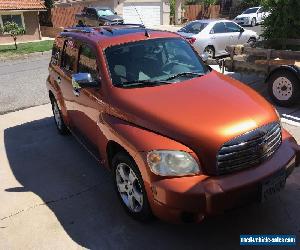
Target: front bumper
(243, 21)
(190, 199)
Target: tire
(284, 88)
(251, 41)
(253, 22)
(80, 23)
(129, 186)
(210, 51)
(58, 119)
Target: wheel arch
(112, 148)
(51, 95)
(289, 68)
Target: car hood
(111, 18)
(202, 113)
(245, 15)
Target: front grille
(249, 149)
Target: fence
(194, 12)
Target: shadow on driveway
(81, 195)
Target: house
(151, 12)
(25, 14)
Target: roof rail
(83, 29)
(129, 24)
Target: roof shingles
(22, 5)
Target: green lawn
(24, 48)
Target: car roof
(211, 20)
(99, 8)
(110, 35)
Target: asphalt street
(22, 83)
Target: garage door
(150, 13)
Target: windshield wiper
(144, 82)
(185, 74)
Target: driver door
(88, 102)
(236, 33)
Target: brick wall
(65, 16)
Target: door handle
(58, 80)
(76, 92)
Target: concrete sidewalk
(55, 196)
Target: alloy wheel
(129, 187)
(57, 115)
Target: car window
(56, 52)
(260, 10)
(194, 27)
(87, 62)
(218, 28)
(232, 27)
(250, 11)
(105, 12)
(153, 60)
(69, 55)
(91, 12)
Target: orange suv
(182, 141)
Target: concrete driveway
(54, 195)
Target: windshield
(105, 12)
(194, 27)
(250, 11)
(156, 61)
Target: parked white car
(212, 36)
(252, 16)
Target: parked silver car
(212, 36)
(252, 16)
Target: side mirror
(116, 13)
(242, 30)
(83, 80)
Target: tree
(49, 4)
(14, 30)
(250, 3)
(283, 21)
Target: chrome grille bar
(249, 149)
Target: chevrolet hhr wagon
(183, 142)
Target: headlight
(172, 163)
(246, 18)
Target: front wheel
(251, 41)
(130, 188)
(210, 52)
(284, 88)
(58, 119)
